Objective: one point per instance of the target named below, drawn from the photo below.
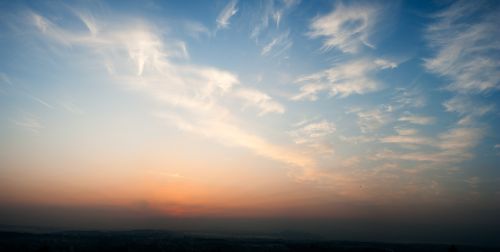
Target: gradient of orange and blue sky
(342, 118)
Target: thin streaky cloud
(71, 107)
(197, 91)
(465, 45)
(417, 119)
(314, 135)
(469, 109)
(5, 79)
(409, 98)
(402, 131)
(223, 20)
(347, 27)
(260, 100)
(271, 12)
(344, 79)
(29, 122)
(42, 102)
(196, 29)
(453, 146)
(405, 139)
(229, 134)
(278, 45)
(370, 120)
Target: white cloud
(71, 107)
(314, 135)
(370, 120)
(412, 97)
(197, 99)
(41, 101)
(459, 141)
(452, 146)
(414, 119)
(226, 14)
(353, 77)
(384, 64)
(260, 100)
(277, 45)
(357, 139)
(196, 29)
(408, 138)
(405, 139)
(347, 28)
(225, 132)
(465, 38)
(89, 21)
(29, 122)
(405, 131)
(466, 44)
(467, 108)
(272, 11)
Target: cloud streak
(278, 45)
(29, 122)
(465, 38)
(225, 15)
(343, 79)
(314, 135)
(452, 146)
(272, 12)
(198, 99)
(347, 27)
(415, 119)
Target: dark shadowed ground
(147, 240)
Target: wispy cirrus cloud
(71, 107)
(5, 80)
(453, 146)
(370, 120)
(228, 133)
(405, 131)
(417, 119)
(268, 32)
(344, 79)
(460, 140)
(271, 12)
(409, 98)
(29, 122)
(467, 108)
(347, 27)
(314, 135)
(196, 99)
(278, 45)
(406, 139)
(196, 29)
(225, 15)
(465, 39)
(260, 100)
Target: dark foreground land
(175, 241)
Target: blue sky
(358, 101)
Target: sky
(338, 118)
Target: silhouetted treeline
(173, 241)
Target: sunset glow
(139, 114)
